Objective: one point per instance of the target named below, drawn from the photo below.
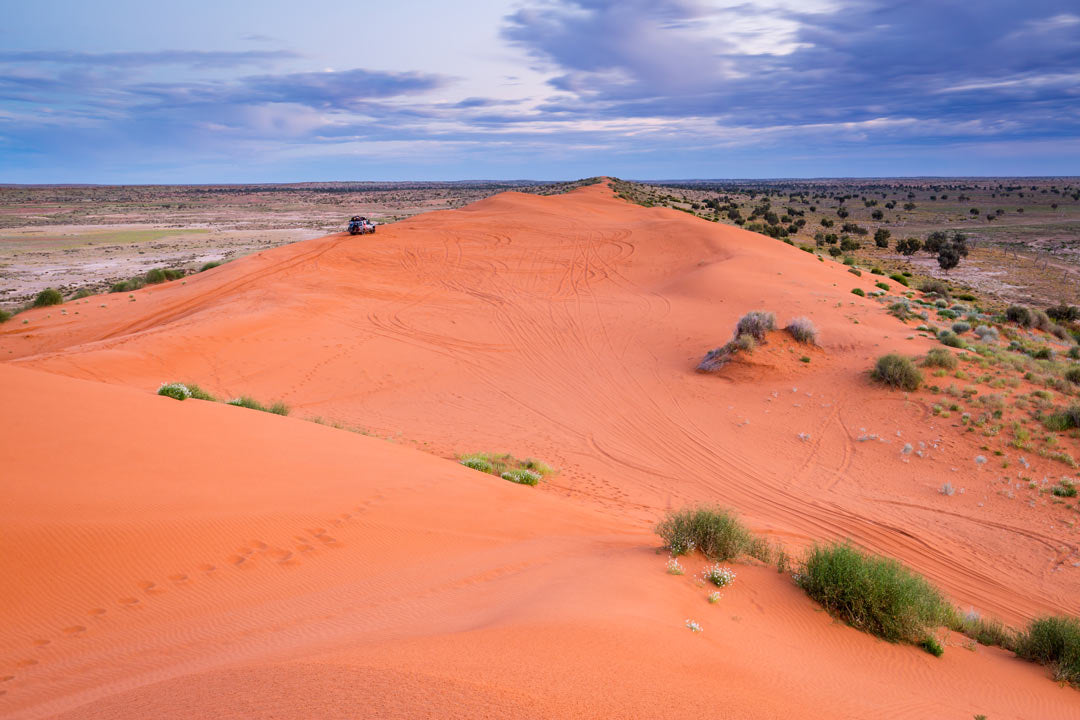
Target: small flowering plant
(674, 568)
(714, 597)
(693, 626)
(719, 576)
(178, 391)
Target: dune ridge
(349, 572)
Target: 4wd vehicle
(360, 226)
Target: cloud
(784, 63)
(192, 58)
(345, 89)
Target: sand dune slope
(172, 556)
(197, 560)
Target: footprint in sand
(150, 588)
(97, 611)
(237, 560)
(41, 642)
(207, 567)
(26, 663)
(75, 629)
(179, 578)
(305, 548)
(7, 678)
(259, 544)
(128, 601)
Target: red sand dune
(168, 559)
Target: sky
(125, 91)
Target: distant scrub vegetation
(48, 296)
(151, 277)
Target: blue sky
(227, 91)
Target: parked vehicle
(360, 225)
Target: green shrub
(81, 293)
(278, 408)
(877, 271)
(940, 357)
(160, 275)
(985, 632)
(177, 391)
(128, 285)
(1053, 641)
(931, 645)
(209, 266)
(182, 391)
(951, 339)
(4, 316)
(1073, 374)
(521, 476)
(897, 371)
(477, 463)
(1064, 420)
(1064, 489)
(714, 531)
(900, 279)
(48, 296)
(935, 287)
(1020, 315)
(525, 472)
(882, 286)
(858, 291)
(960, 327)
(875, 594)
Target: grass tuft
(897, 371)
(278, 408)
(1053, 641)
(521, 476)
(524, 472)
(875, 594)
(940, 357)
(716, 532)
(177, 391)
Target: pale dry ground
(96, 256)
(195, 559)
(73, 237)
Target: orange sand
(166, 559)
